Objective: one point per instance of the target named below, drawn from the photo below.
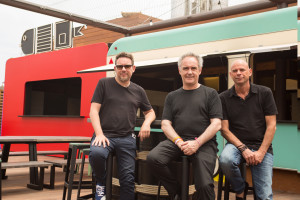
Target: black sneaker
(100, 192)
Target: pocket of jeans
(132, 140)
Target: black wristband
(242, 148)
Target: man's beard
(124, 78)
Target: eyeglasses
(120, 67)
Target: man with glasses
(191, 118)
(113, 115)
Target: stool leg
(226, 192)
(158, 191)
(67, 175)
(185, 178)
(71, 172)
(93, 186)
(220, 185)
(109, 165)
(254, 195)
(81, 175)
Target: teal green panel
(285, 146)
(298, 151)
(298, 26)
(221, 142)
(151, 130)
(266, 22)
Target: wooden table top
(43, 139)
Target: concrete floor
(15, 186)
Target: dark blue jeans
(262, 173)
(125, 150)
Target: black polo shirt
(247, 117)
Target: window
(57, 97)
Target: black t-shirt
(119, 106)
(190, 111)
(247, 117)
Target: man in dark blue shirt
(249, 123)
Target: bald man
(249, 124)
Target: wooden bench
(43, 153)
(41, 164)
(57, 163)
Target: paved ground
(15, 186)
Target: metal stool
(226, 186)
(86, 184)
(185, 180)
(185, 177)
(69, 182)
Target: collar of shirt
(253, 90)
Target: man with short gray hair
(191, 118)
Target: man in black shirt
(191, 118)
(249, 123)
(113, 115)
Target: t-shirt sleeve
(145, 104)
(224, 108)
(167, 112)
(269, 105)
(215, 106)
(98, 93)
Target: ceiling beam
(64, 15)
(218, 13)
(228, 11)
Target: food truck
(267, 41)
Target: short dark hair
(126, 55)
(191, 54)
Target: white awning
(262, 49)
(146, 63)
(165, 61)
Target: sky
(14, 22)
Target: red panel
(52, 65)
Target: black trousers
(203, 162)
